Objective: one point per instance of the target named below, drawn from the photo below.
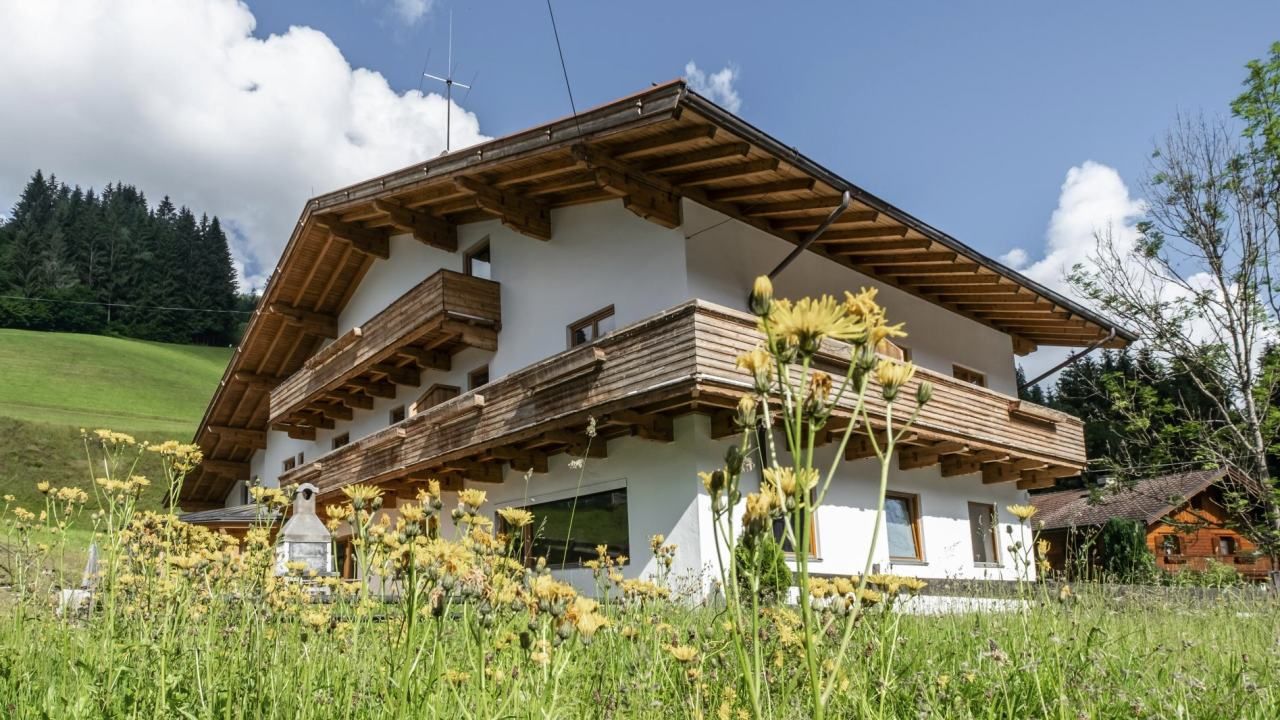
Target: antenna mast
(448, 88)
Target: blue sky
(966, 114)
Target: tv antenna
(449, 82)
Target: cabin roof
(235, 515)
(652, 148)
(1146, 501)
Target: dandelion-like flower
(760, 364)
(472, 498)
(516, 517)
(1022, 512)
(761, 296)
(683, 653)
(362, 494)
(807, 322)
(892, 375)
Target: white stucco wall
(724, 260)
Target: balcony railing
(421, 329)
(631, 382)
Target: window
(982, 531)
(591, 327)
(902, 519)
(341, 440)
(478, 377)
(1170, 545)
(476, 262)
(1226, 546)
(968, 375)
(396, 415)
(598, 519)
(289, 464)
(906, 352)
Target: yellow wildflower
(683, 653)
(43, 486)
(516, 517)
(760, 364)
(893, 375)
(761, 296)
(1022, 512)
(362, 494)
(472, 498)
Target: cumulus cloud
(411, 11)
(178, 97)
(717, 86)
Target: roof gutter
(1111, 334)
(804, 244)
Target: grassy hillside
(93, 381)
(53, 384)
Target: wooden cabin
(469, 318)
(1184, 515)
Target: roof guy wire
(125, 305)
(563, 68)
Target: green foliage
(1214, 575)
(77, 261)
(1124, 551)
(764, 559)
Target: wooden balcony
(634, 381)
(421, 329)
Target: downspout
(1070, 359)
(804, 244)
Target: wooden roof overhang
(633, 382)
(649, 150)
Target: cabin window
(476, 262)
(478, 378)
(1226, 546)
(598, 518)
(982, 531)
(591, 327)
(340, 440)
(396, 415)
(1170, 545)
(902, 520)
(289, 464)
(969, 375)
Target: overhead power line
(126, 305)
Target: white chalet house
(467, 318)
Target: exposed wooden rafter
(376, 243)
(518, 212)
(427, 229)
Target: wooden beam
(998, 472)
(860, 447)
(1052, 472)
(913, 458)
(247, 437)
(1023, 346)
(376, 388)
(938, 268)
(399, 375)
(849, 217)
(945, 277)
(433, 359)
(649, 426)
(576, 443)
(667, 163)
(913, 258)
(310, 322)
(485, 338)
(367, 240)
(335, 412)
(663, 140)
(836, 236)
(301, 433)
(746, 192)
(643, 195)
(314, 418)
(522, 460)
(353, 400)
(427, 229)
(265, 382)
(702, 177)
(782, 207)
(970, 289)
(866, 247)
(724, 424)
(226, 468)
(955, 465)
(522, 214)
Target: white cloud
(1016, 258)
(718, 86)
(178, 97)
(411, 11)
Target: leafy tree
(1124, 551)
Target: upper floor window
(476, 261)
(341, 440)
(292, 462)
(982, 531)
(969, 375)
(478, 377)
(591, 327)
(396, 415)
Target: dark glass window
(341, 440)
(982, 530)
(591, 327)
(598, 519)
(902, 520)
(478, 377)
(397, 414)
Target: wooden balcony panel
(445, 312)
(651, 359)
(981, 418)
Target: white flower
(577, 463)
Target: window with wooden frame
(476, 262)
(1170, 545)
(903, 526)
(396, 415)
(969, 375)
(478, 378)
(340, 440)
(568, 530)
(289, 464)
(1226, 545)
(982, 532)
(592, 327)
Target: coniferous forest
(106, 262)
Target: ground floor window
(1226, 546)
(1170, 545)
(902, 520)
(566, 532)
(982, 529)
